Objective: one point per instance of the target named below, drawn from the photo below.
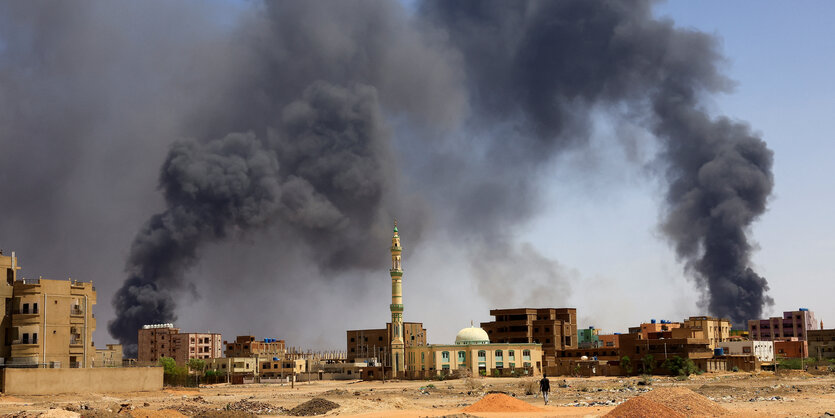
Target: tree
(626, 364)
(679, 366)
(170, 368)
(647, 363)
(196, 364)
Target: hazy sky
(594, 243)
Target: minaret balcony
(396, 272)
(397, 248)
(396, 307)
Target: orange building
(609, 340)
(246, 346)
(791, 348)
(653, 327)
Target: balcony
(76, 312)
(27, 341)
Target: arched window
(498, 353)
(526, 354)
(462, 356)
(511, 355)
(482, 355)
(445, 356)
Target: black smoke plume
(320, 177)
(545, 65)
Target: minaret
(398, 352)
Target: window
(547, 341)
(379, 338)
(536, 329)
(568, 340)
(34, 308)
(526, 354)
(462, 356)
(25, 338)
(498, 353)
(353, 350)
(34, 338)
(482, 355)
(25, 309)
(511, 355)
(445, 356)
(547, 329)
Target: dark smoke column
(319, 175)
(544, 66)
(720, 179)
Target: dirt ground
(744, 394)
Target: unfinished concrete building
(248, 346)
(821, 342)
(554, 328)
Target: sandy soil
(745, 394)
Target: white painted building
(764, 350)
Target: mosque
(413, 358)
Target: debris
(315, 406)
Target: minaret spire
(397, 340)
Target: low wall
(106, 379)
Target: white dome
(472, 335)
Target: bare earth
(743, 394)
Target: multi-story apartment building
(654, 326)
(588, 337)
(376, 343)
(555, 329)
(52, 323)
(794, 324)
(247, 346)
(47, 323)
(821, 343)
(164, 340)
(716, 330)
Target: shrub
(626, 364)
(645, 380)
(735, 369)
(196, 364)
(530, 385)
(647, 363)
(472, 384)
(170, 368)
(496, 373)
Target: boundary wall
(105, 379)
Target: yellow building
(233, 365)
(8, 271)
(52, 323)
(109, 357)
(474, 352)
(716, 330)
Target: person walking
(545, 387)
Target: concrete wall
(54, 381)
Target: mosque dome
(472, 335)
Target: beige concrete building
(164, 340)
(474, 352)
(108, 357)
(716, 330)
(8, 271)
(52, 323)
(233, 365)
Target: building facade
(654, 326)
(368, 343)
(763, 350)
(52, 323)
(164, 340)
(793, 324)
(716, 330)
(474, 353)
(821, 343)
(791, 348)
(109, 357)
(247, 346)
(588, 337)
(555, 329)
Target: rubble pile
(315, 406)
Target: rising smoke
(300, 112)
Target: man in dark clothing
(545, 387)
